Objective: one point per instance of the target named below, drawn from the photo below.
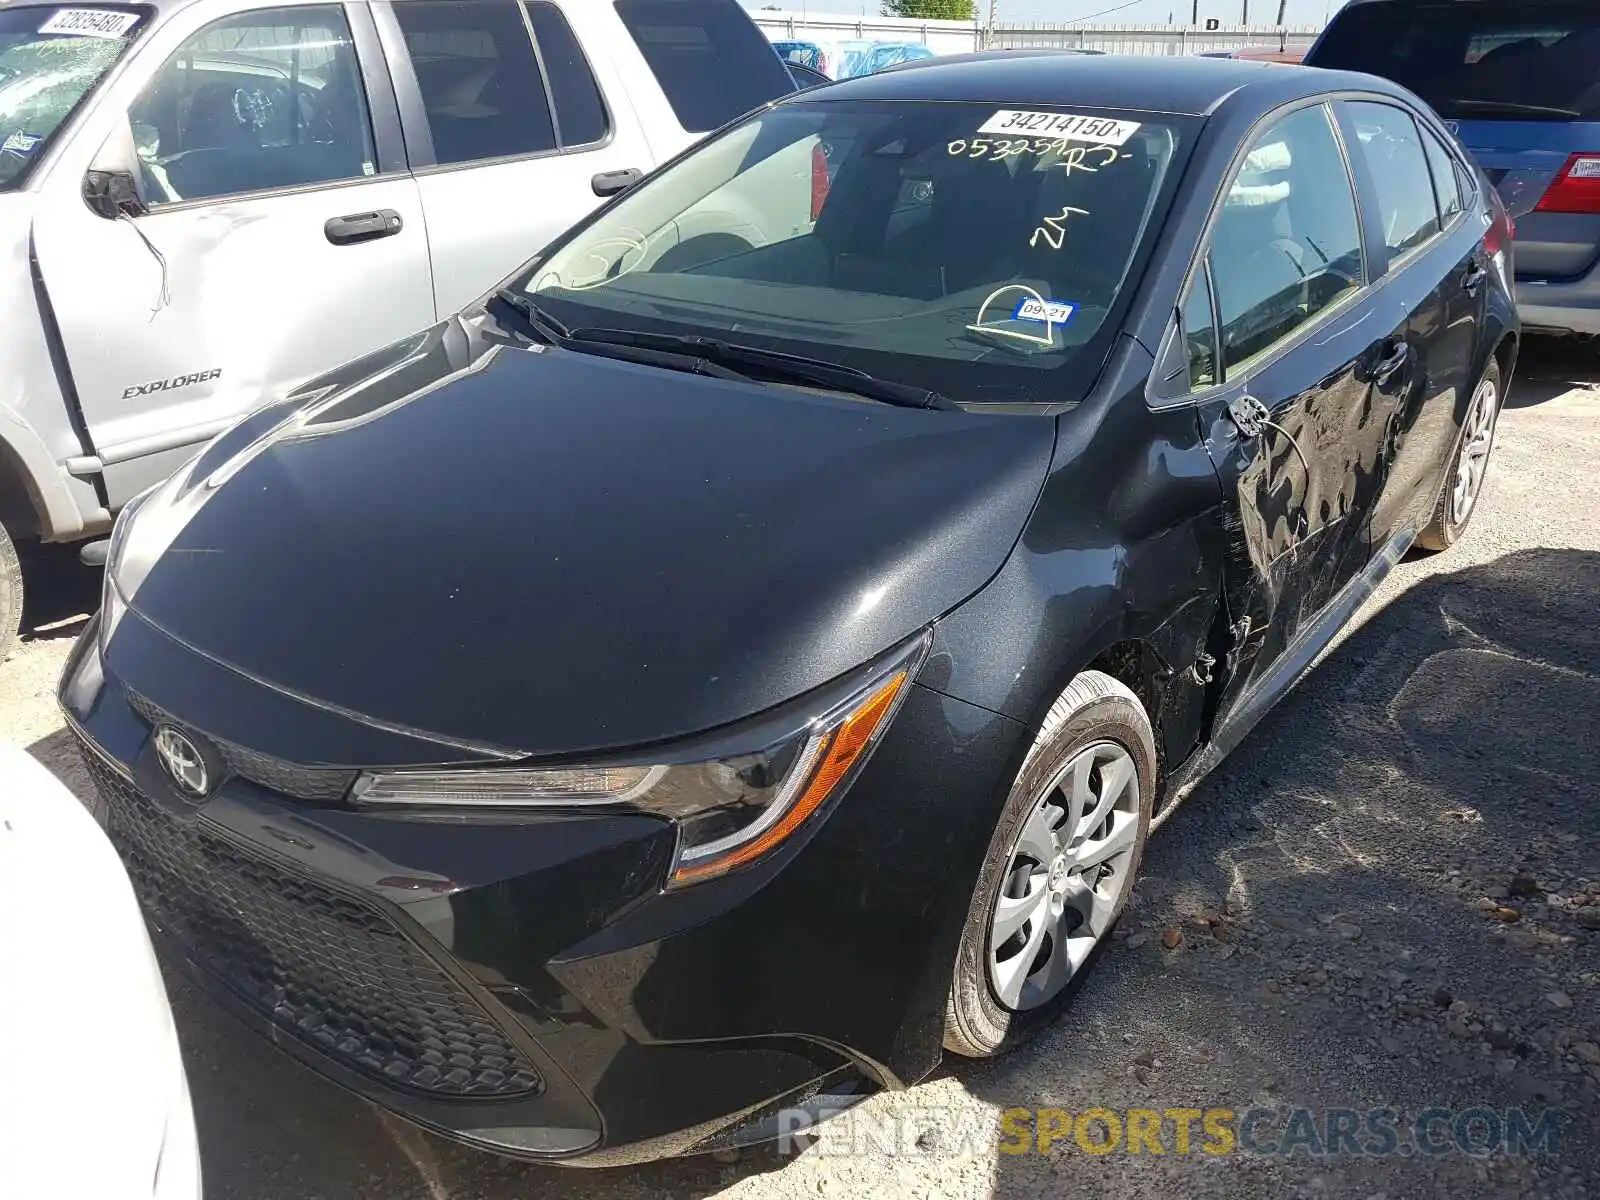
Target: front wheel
(1059, 870)
(1463, 481)
(10, 595)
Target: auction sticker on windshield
(1107, 131)
(90, 22)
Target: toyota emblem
(183, 762)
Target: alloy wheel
(1477, 441)
(1066, 877)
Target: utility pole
(994, 17)
(1283, 9)
(1194, 17)
(1246, 18)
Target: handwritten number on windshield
(1070, 156)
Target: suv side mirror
(112, 194)
(111, 185)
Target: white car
(93, 1098)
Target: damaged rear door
(283, 233)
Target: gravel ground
(1389, 897)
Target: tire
(10, 595)
(1473, 450)
(1096, 720)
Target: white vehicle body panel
(84, 1019)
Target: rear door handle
(612, 183)
(363, 227)
(1474, 279)
(1391, 366)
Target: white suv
(206, 202)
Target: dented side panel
(1120, 563)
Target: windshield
(50, 59)
(1506, 59)
(956, 247)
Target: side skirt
(1291, 666)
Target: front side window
(50, 59)
(1388, 142)
(708, 56)
(932, 244)
(480, 81)
(264, 100)
(1287, 244)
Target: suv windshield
(971, 251)
(1507, 59)
(50, 59)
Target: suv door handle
(612, 183)
(1474, 279)
(363, 227)
(1399, 356)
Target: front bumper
(519, 981)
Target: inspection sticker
(20, 145)
(90, 22)
(1052, 312)
(1107, 131)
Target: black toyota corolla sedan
(744, 656)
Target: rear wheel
(1463, 482)
(1060, 867)
(10, 594)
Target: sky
(1262, 12)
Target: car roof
(1197, 86)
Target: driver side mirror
(111, 186)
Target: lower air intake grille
(328, 969)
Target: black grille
(331, 970)
(325, 784)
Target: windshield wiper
(550, 330)
(541, 322)
(1510, 108)
(771, 365)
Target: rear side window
(579, 109)
(708, 56)
(480, 81)
(1505, 59)
(1287, 243)
(1388, 142)
(1200, 333)
(1446, 177)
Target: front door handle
(613, 183)
(363, 227)
(1472, 282)
(1399, 356)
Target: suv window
(1446, 178)
(479, 78)
(580, 112)
(1496, 58)
(1388, 142)
(263, 100)
(708, 56)
(1287, 243)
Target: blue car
(1519, 83)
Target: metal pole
(1246, 18)
(1194, 18)
(1283, 8)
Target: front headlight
(729, 810)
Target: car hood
(546, 552)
